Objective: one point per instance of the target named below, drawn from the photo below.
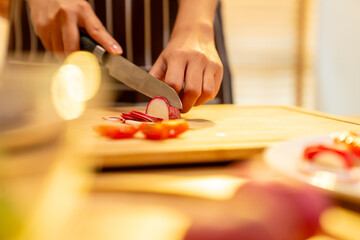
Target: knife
(128, 73)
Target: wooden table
(217, 133)
(59, 197)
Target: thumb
(159, 68)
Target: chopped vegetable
(139, 116)
(164, 130)
(347, 158)
(128, 116)
(145, 117)
(161, 121)
(133, 122)
(156, 131)
(114, 119)
(176, 127)
(160, 107)
(120, 131)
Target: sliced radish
(114, 119)
(160, 107)
(136, 116)
(145, 116)
(140, 117)
(128, 116)
(132, 122)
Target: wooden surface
(223, 132)
(57, 200)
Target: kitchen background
(295, 52)
(292, 52)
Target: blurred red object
(264, 210)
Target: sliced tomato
(164, 130)
(120, 131)
(156, 131)
(176, 127)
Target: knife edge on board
(128, 73)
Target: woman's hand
(190, 58)
(57, 23)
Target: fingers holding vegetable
(190, 60)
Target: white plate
(285, 157)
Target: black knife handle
(90, 45)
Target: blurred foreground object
(32, 107)
(27, 116)
(268, 210)
(74, 83)
(10, 220)
(218, 206)
(42, 178)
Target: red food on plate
(120, 131)
(330, 156)
(342, 154)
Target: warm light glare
(77, 81)
(73, 78)
(326, 180)
(341, 223)
(220, 134)
(216, 187)
(66, 84)
(89, 66)
(140, 222)
(211, 187)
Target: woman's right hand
(57, 23)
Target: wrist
(195, 17)
(204, 28)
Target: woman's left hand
(191, 59)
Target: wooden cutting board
(219, 133)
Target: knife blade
(131, 75)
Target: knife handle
(90, 45)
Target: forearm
(195, 15)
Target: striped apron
(142, 28)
